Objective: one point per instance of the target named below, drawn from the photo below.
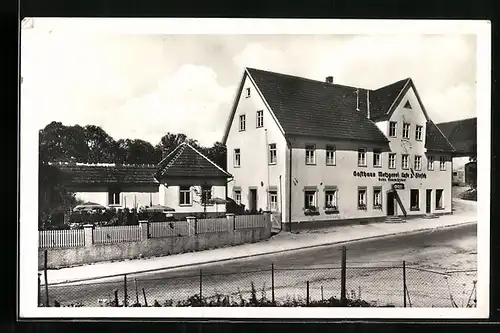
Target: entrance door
(253, 200)
(390, 204)
(428, 196)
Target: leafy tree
(102, 147)
(136, 152)
(170, 141)
(217, 153)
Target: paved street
(370, 273)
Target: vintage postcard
(233, 168)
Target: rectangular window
(237, 158)
(406, 130)
(414, 199)
(392, 129)
(206, 194)
(237, 197)
(377, 158)
(418, 133)
(418, 162)
(330, 155)
(361, 157)
(273, 199)
(331, 199)
(247, 92)
(392, 161)
(185, 195)
(404, 161)
(439, 199)
(310, 199)
(430, 163)
(272, 153)
(362, 198)
(377, 198)
(260, 118)
(242, 122)
(114, 198)
(442, 163)
(310, 154)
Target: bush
(470, 194)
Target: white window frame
(442, 163)
(391, 163)
(310, 154)
(242, 123)
(247, 92)
(377, 152)
(331, 155)
(418, 132)
(185, 193)
(206, 189)
(406, 130)
(237, 197)
(237, 157)
(314, 194)
(362, 199)
(260, 119)
(333, 193)
(273, 205)
(439, 203)
(114, 198)
(430, 163)
(395, 133)
(362, 157)
(405, 157)
(272, 154)
(417, 166)
(377, 197)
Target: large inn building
(319, 151)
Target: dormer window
(247, 92)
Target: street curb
(266, 253)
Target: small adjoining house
(462, 134)
(317, 151)
(180, 181)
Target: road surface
(374, 274)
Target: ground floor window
(377, 197)
(414, 199)
(439, 199)
(185, 195)
(237, 197)
(362, 198)
(310, 199)
(114, 198)
(206, 194)
(273, 199)
(331, 199)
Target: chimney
(368, 103)
(329, 79)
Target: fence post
(201, 284)
(404, 284)
(89, 234)
(191, 221)
(116, 297)
(45, 278)
(230, 218)
(272, 282)
(125, 296)
(136, 293)
(39, 292)
(307, 293)
(343, 270)
(145, 299)
(144, 229)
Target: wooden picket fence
(250, 221)
(168, 229)
(61, 238)
(213, 225)
(116, 234)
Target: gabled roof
(435, 140)
(186, 161)
(382, 99)
(78, 174)
(462, 134)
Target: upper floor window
(272, 153)
(442, 163)
(260, 118)
(407, 105)
(404, 161)
(392, 129)
(418, 162)
(247, 92)
(242, 122)
(361, 157)
(377, 158)
(237, 157)
(310, 154)
(430, 163)
(418, 133)
(406, 130)
(392, 161)
(330, 155)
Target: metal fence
(168, 229)
(126, 233)
(374, 284)
(61, 238)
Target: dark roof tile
(462, 134)
(435, 140)
(113, 174)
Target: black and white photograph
(237, 168)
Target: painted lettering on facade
(390, 176)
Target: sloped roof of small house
(186, 161)
(108, 174)
(305, 107)
(462, 134)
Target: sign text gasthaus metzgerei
(389, 176)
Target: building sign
(398, 186)
(390, 176)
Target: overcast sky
(143, 86)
